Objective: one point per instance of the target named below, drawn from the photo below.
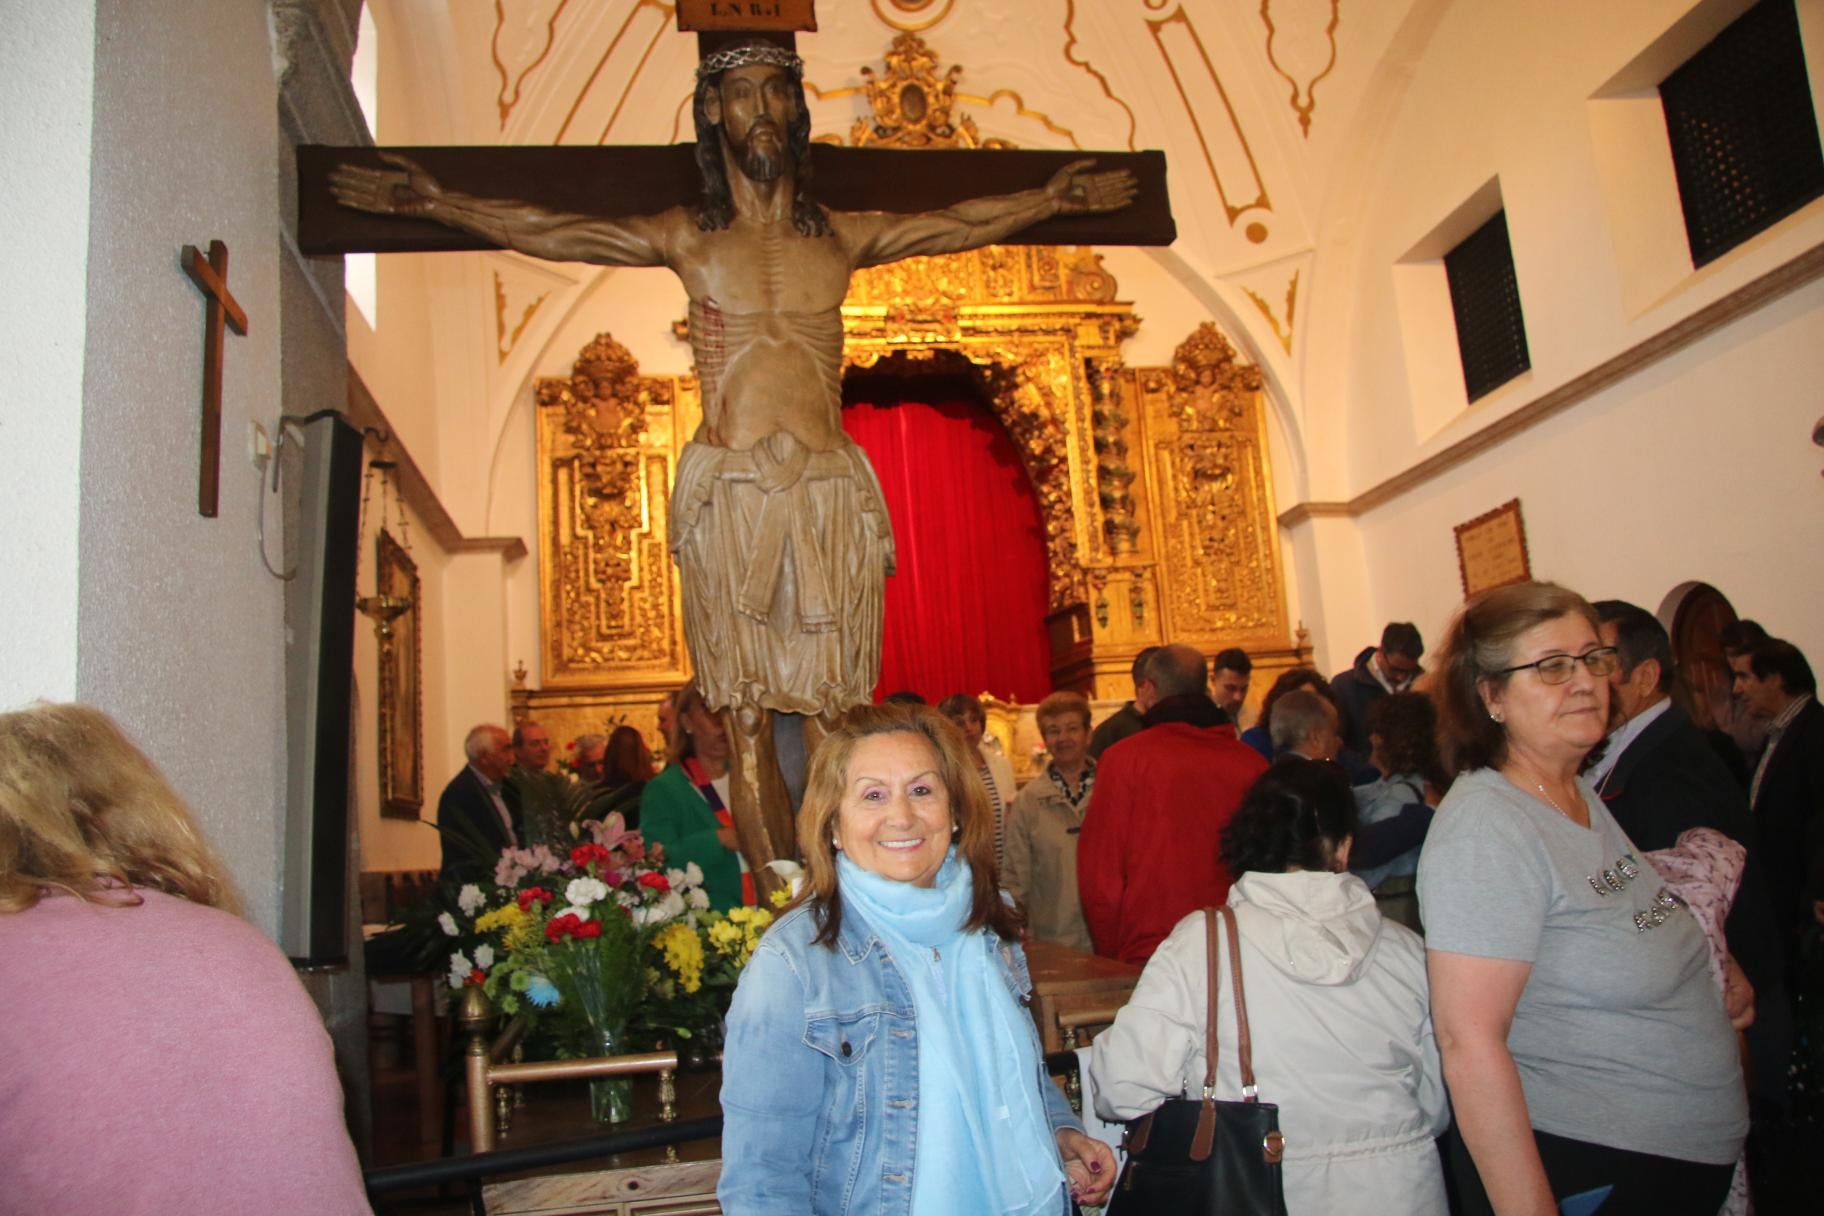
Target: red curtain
(966, 611)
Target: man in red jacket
(1148, 852)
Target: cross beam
(210, 274)
(634, 180)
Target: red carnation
(478, 976)
(532, 895)
(583, 854)
(655, 880)
(589, 928)
(564, 926)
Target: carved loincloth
(784, 554)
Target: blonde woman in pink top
(157, 1053)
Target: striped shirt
(998, 801)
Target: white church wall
(1699, 468)
(393, 356)
(47, 87)
(514, 512)
(180, 632)
(475, 647)
(1519, 100)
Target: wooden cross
(627, 180)
(211, 277)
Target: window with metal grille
(1485, 299)
(1744, 135)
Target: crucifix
(210, 274)
(778, 525)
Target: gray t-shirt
(1620, 1035)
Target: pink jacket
(161, 1059)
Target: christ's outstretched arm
(406, 189)
(878, 237)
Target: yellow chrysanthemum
(683, 954)
(505, 917)
(725, 936)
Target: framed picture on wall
(1491, 550)
(401, 691)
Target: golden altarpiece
(1153, 482)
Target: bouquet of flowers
(604, 949)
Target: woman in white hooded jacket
(1337, 1005)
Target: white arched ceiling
(1258, 107)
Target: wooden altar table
(1066, 981)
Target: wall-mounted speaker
(319, 671)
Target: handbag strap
(1204, 1139)
(1244, 1042)
(1213, 964)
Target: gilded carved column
(1114, 476)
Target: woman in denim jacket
(878, 1057)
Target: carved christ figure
(777, 520)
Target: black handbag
(1201, 1157)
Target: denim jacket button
(847, 1051)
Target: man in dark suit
(1660, 778)
(478, 813)
(1787, 791)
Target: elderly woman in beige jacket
(1337, 1005)
(1040, 869)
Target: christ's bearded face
(755, 106)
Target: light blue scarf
(984, 1141)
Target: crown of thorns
(749, 53)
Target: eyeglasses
(1558, 669)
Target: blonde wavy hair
(970, 810)
(83, 810)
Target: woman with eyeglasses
(1589, 1058)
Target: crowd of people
(1519, 935)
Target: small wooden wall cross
(211, 277)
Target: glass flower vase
(611, 1098)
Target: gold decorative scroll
(607, 444)
(1217, 539)
(912, 103)
(1491, 550)
(1305, 21)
